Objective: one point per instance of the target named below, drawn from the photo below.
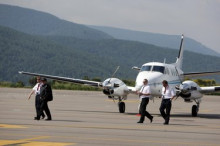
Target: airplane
(155, 73)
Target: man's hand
(140, 94)
(172, 98)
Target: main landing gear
(195, 108)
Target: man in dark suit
(45, 96)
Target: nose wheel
(195, 108)
(121, 106)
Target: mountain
(74, 57)
(40, 23)
(132, 53)
(20, 51)
(40, 42)
(162, 40)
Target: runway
(90, 119)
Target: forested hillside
(162, 40)
(73, 57)
(132, 53)
(21, 51)
(42, 43)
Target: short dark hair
(165, 82)
(43, 79)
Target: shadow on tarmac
(200, 115)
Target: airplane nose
(184, 88)
(151, 77)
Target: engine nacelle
(189, 90)
(115, 87)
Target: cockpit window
(146, 68)
(158, 69)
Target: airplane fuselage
(155, 73)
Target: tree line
(72, 86)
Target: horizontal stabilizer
(198, 74)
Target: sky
(197, 19)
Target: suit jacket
(46, 92)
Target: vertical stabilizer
(179, 60)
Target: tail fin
(179, 60)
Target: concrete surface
(90, 118)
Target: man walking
(45, 95)
(167, 97)
(144, 95)
(36, 90)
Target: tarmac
(88, 118)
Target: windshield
(158, 69)
(146, 68)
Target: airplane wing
(210, 89)
(77, 81)
(197, 74)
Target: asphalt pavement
(88, 118)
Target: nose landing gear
(195, 108)
(121, 105)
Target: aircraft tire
(121, 106)
(194, 111)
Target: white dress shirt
(36, 88)
(168, 94)
(145, 90)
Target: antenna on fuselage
(164, 61)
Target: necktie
(142, 89)
(165, 90)
(38, 86)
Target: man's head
(165, 83)
(38, 79)
(44, 80)
(145, 81)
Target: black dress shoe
(43, 116)
(140, 122)
(48, 119)
(166, 123)
(151, 120)
(36, 118)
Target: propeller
(114, 73)
(108, 85)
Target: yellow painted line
(34, 138)
(32, 143)
(145, 141)
(47, 144)
(28, 142)
(11, 126)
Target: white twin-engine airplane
(155, 73)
